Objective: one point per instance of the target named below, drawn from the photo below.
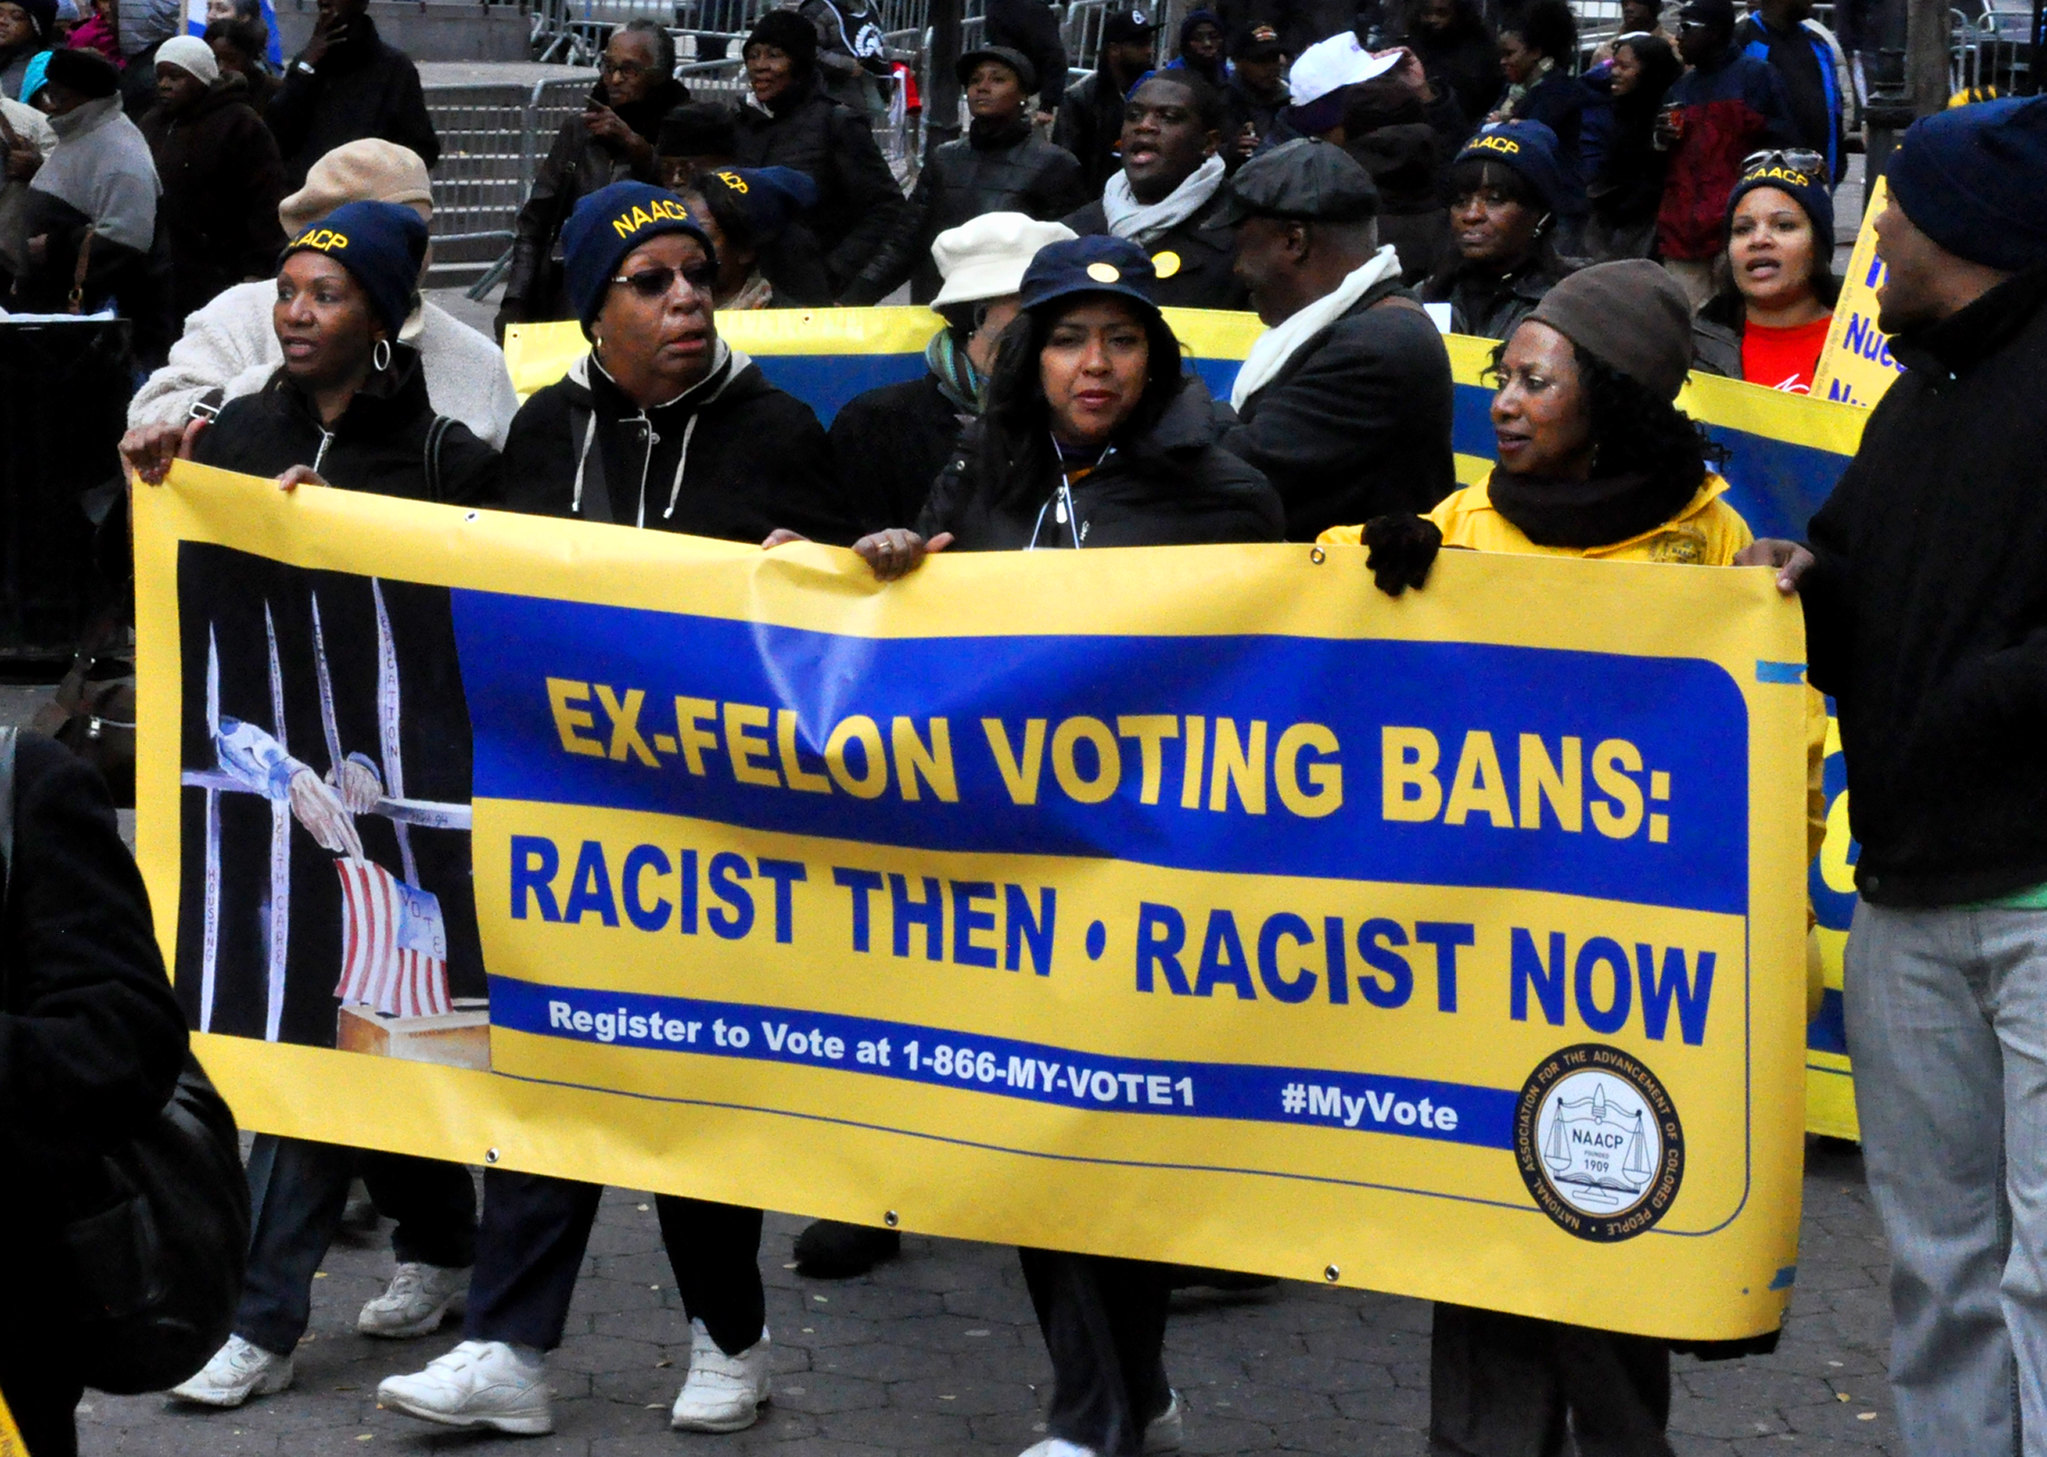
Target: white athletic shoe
(415, 1303)
(724, 1393)
(239, 1370)
(1059, 1447)
(478, 1384)
(1166, 1431)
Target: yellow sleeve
(1343, 536)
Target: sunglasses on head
(653, 283)
(1798, 159)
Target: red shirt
(1783, 359)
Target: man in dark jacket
(221, 174)
(90, 1050)
(1782, 34)
(1000, 165)
(1345, 401)
(1090, 123)
(1168, 198)
(612, 140)
(347, 84)
(1719, 111)
(1031, 29)
(789, 121)
(1925, 597)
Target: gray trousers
(1947, 1026)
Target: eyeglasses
(653, 283)
(1798, 159)
(609, 67)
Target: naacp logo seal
(1598, 1142)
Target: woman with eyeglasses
(661, 425)
(611, 140)
(1768, 321)
(1595, 461)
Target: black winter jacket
(890, 444)
(1488, 304)
(361, 88)
(1357, 423)
(380, 444)
(222, 179)
(1926, 611)
(1204, 248)
(985, 171)
(733, 458)
(1031, 28)
(1090, 125)
(859, 204)
(1174, 486)
(577, 165)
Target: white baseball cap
(986, 258)
(1329, 65)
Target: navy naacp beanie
(1528, 147)
(383, 244)
(1975, 181)
(610, 223)
(1807, 189)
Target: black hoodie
(1926, 613)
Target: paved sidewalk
(937, 1352)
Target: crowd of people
(1668, 208)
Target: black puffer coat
(733, 458)
(1090, 125)
(891, 443)
(361, 88)
(1198, 274)
(385, 442)
(222, 178)
(577, 165)
(859, 204)
(989, 170)
(1031, 28)
(1174, 486)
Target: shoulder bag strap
(435, 434)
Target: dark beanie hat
(1017, 61)
(1807, 189)
(789, 33)
(1972, 180)
(767, 200)
(88, 73)
(42, 14)
(1526, 147)
(1631, 316)
(698, 129)
(608, 224)
(382, 244)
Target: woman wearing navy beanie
(1769, 319)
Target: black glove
(1400, 551)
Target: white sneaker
(1166, 1431)
(239, 1370)
(724, 1393)
(478, 1384)
(1059, 1447)
(415, 1303)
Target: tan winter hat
(366, 171)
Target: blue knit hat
(1971, 180)
(383, 244)
(1098, 263)
(610, 223)
(770, 199)
(1807, 189)
(1526, 147)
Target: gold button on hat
(1104, 272)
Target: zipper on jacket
(326, 439)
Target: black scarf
(1584, 514)
(991, 134)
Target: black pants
(1104, 1322)
(298, 1190)
(1510, 1386)
(530, 1251)
(42, 1400)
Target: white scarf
(1269, 355)
(1141, 223)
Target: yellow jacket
(1708, 533)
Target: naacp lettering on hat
(607, 225)
(1529, 148)
(382, 244)
(1099, 263)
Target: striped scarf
(958, 380)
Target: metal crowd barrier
(493, 137)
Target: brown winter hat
(1630, 316)
(370, 170)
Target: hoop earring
(380, 355)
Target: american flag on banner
(394, 947)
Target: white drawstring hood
(727, 364)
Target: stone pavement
(937, 1352)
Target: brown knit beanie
(370, 170)
(1630, 316)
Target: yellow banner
(1203, 905)
(11, 1444)
(1855, 365)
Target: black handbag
(154, 1270)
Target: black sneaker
(829, 1250)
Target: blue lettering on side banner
(1603, 775)
(1009, 1068)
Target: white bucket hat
(986, 258)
